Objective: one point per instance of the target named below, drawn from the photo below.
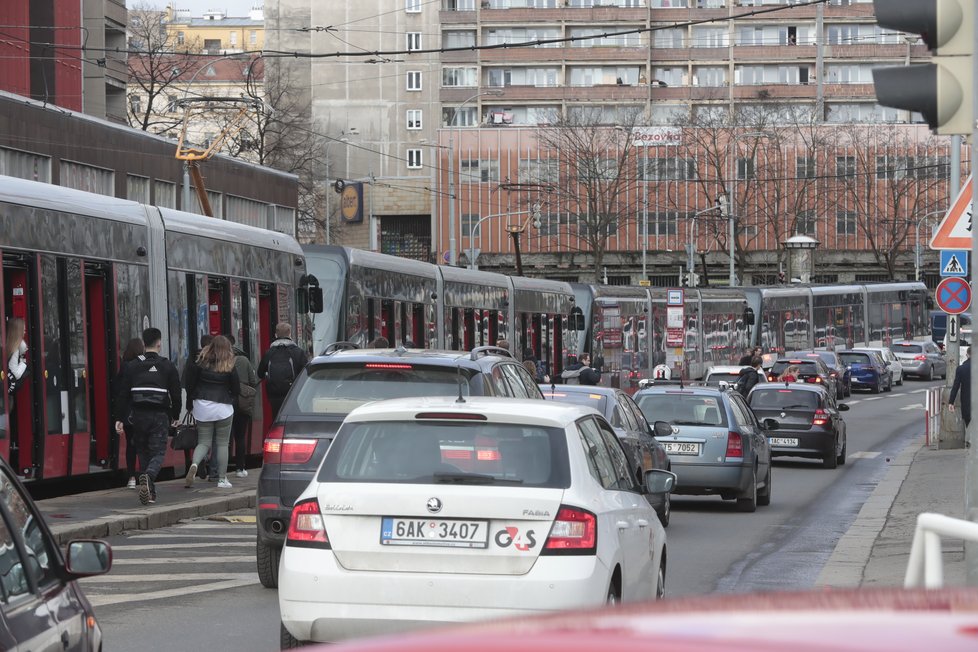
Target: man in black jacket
(280, 365)
(581, 372)
(749, 377)
(962, 383)
(149, 391)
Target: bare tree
(885, 179)
(157, 70)
(595, 180)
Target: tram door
(18, 303)
(267, 319)
(104, 446)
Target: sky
(198, 7)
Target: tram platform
(100, 514)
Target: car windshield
(450, 452)
(339, 388)
(682, 409)
(805, 367)
(907, 348)
(783, 399)
(597, 401)
(856, 358)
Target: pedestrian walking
(205, 339)
(749, 377)
(15, 354)
(538, 370)
(962, 383)
(149, 393)
(134, 349)
(213, 386)
(244, 406)
(581, 372)
(280, 365)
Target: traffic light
(941, 91)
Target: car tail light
(813, 379)
(306, 528)
(287, 451)
(920, 357)
(821, 418)
(735, 446)
(387, 365)
(574, 532)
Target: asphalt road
(193, 586)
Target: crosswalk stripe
(116, 598)
(170, 577)
(864, 455)
(171, 546)
(164, 535)
(183, 560)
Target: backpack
(743, 385)
(149, 390)
(571, 376)
(281, 370)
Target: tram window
(52, 295)
(456, 330)
(371, 320)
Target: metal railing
(932, 416)
(926, 566)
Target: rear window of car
(856, 358)
(784, 399)
(597, 401)
(339, 388)
(725, 376)
(907, 348)
(450, 452)
(682, 409)
(804, 366)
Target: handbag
(185, 437)
(246, 399)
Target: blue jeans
(214, 436)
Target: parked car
(809, 420)
(728, 374)
(811, 370)
(635, 433)
(41, 605)
(334, 384)
(893, 362)
(837, 369)
(429, 511)
(869, 370)
(922, 359)
(715, 443)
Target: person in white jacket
(15, 353)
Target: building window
(414, 119)
(414, 159)
(746, 168)
(458, 38)
(181, 38)
(845, 223)
(233, 38)
(667, 169)
(253, 37)
(475, 170)
(805, 168)
(806, 223)
(413, 41)
(412, 6)
(460, 77)
(845, 166)
(469, 220)
(663, 223)
(467, 116)
(137, 188)
(414, 80)
(212, 45)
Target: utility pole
(971, 470)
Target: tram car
(87, 273)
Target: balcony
(776, 91)
(778, 53)
(567, 55)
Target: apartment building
(455, 95)
(215, 32)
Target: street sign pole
(953, 297)
(971, 468)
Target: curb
(848, 561)
(150, 518)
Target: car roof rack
(339, 346)
(481, 351)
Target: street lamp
(916, 242)
(691, 251)
(733, 198)
(341, 139)
(451, 171)
(476, 231)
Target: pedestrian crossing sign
(954, 262)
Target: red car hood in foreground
(886, 620)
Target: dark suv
(331, 386)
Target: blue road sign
(953, 295)
(954, 262)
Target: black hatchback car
(635, 433)
(810, 423)
(837, 369)
(41, 605)
(810, 370)
(330, 387)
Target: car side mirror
(662, 429)
(658, 481)
(770, 424)
(843, 407)
(88, 557)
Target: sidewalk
(875, 550)
(99, 514)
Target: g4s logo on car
(512, 536)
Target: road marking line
(916, 406)
(917, 391)
(864, 455)
(121, 547)
(170, 577)
(875, 398)
(162, 535)
(183, 560)
(104, 600)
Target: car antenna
(553, 388)
(458, 369)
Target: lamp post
(730, 212)
(451, 172)
(916, 241)
(690, 264)
(341, 139)
(477, 229)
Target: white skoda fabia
(436, 511)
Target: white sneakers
(241, 473)
(132, 483)
(224, 484)
(191, 476)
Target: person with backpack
(244, 406)
(280, 365)
(749, 377)
(134, 349)
(149, 393)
